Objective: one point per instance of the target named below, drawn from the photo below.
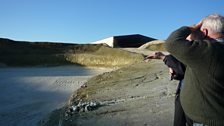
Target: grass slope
(156, 45)
(14, 53)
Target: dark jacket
(202, 96)
(178, 70)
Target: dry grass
(105, 57)
(156, 45)
(13, 53)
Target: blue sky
(84, 21)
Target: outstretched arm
(156, 55)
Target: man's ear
(205, 32)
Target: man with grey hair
(202, 95)
(213, 27)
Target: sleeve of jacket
(182, 49)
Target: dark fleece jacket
(202, 96)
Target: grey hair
(215, 23)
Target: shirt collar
(219, 39)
